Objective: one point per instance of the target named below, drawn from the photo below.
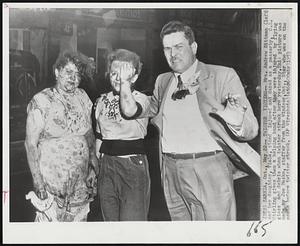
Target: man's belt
(192, 155)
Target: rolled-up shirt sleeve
(142, 103)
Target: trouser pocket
(138, 160)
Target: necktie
(180, 92)
(180, 83)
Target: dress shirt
(184, 130)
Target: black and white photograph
(158, 120)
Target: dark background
(229, 37)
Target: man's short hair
(126, 56)
(177, 26)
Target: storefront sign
(132, 14)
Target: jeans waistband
(122, 156)
(192, 155)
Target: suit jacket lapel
(164, 88)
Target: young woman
(124, 182)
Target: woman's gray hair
(66, 57)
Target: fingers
(92, 183)
(42, 194)
(234, 101)
(233, 97)
(91, 180)
(126, 71)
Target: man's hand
(234, 112)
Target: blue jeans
(124, 188)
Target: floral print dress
(64, 152)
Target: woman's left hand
(91, 181)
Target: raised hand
(127, 72)
(234, 112)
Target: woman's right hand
(127, 72)
(41, 193)
(40, 190)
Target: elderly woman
(124, 182)
(60, 146)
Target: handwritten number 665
(259, 227)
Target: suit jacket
(215, 84)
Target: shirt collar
(188, 73)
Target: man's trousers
(199, 189)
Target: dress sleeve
(39, 102)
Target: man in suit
(204, 119)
